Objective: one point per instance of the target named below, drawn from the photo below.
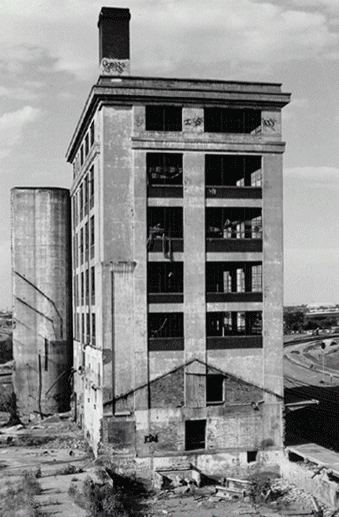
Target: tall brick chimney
(114, 41)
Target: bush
(18, 499)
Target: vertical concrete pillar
(141, 369)
(194, 279)
(273, 296)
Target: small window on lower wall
(251, 456)
(214, 389)
(195, 433)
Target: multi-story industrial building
(177, 262)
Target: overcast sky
(49, 60)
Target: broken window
(165, 225)
(82, 288)
(195, 435)
(164, 168)
(232, 120)
(224, 324)
(233, 223)
(233, 277)
(93, 329)
(92, 285)
(82, 328)
(163, 118)
(233, 170)
(165, 277)
(87, 286)
(91, 131)
(214, 389)
(164, 325)
(91, 187)
(92, 236)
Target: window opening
(81, 194)
(93, 331)
(81, 155)
(214, 389)
(92, 133)
(252, 456)
(87, 286)
(46, 355)
(82, 328)
(82, 288)
(224, 324)
(233, 170)
(232, 120)
(163, 118)
(164, 325)
(86, 144)
(233, 277)
(92, 285)
(233, 223)
(86, 194)
(164, 224)
(164, 168)
(88, 328)
(165, 277)
(92, 236)
(91, 187)
(81, 245)
(195, 432)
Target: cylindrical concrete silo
(41, 279)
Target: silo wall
(42, 294)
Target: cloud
(12, 126)
(317, 177)
(169, 35)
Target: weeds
(19, 499)
(68, 470)
(103, 500)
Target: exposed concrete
(42, 333)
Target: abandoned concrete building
(177, 262)
(176, 207)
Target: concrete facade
(42, 310)
(149, 369)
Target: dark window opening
(233, 170)
(229, 120)
(164, 169)
(222, 324)
(82, 288)
(81, 245)
(86, 190)
(81, 155)
(163, 118)
(165, 277)
(46, 355)
(87, 286)
(86, 144)
(164, 325)
(252, 456)
(214, 389)
(233, 277)
(93, 330)
(233, 223)
(88, 328)
(91, 187)
(165, 229)
(92, 235)
(92, 285)
(82, 328)
(91, 130)
(195, 433)
(81, 196)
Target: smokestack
(114, 41)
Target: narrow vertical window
(82, 288)
(87, 286)
(82, 328)
(93, 331)
(91, 187)
(92, 134)
(93, 285)
(46, 355)
(92, 236)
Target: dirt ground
(54, 450)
